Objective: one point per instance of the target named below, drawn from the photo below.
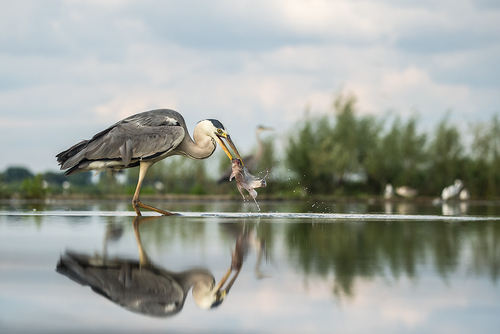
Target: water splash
(258, 207)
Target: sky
(69, 69)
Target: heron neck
(201, 147)
(199, 276)
(260, 145)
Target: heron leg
(143, 257)
(136, 203)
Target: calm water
(420, 269)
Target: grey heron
(252, 160)
(142, 140)
(141, 286)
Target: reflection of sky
(33, 296)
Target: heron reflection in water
(145, 288)
(246, 240)
(142, 140)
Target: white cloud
(252, 62)
(411, 90)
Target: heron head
(207, 297)
(219, 298)
(217, 131)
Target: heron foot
(138, 204)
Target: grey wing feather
(127, 151)
(158, 117)
(142, 290)
(137, 142)
(139, 136)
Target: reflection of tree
(351, 250)
(486, 251)
(163, 235)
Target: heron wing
(129, 141)
(145, 135)
(148, 291)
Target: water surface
(336, 267)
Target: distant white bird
(406, 192)
(452, 191)
(464, 195)
(454, 208)
(389, 191)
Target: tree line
(342, 153)
(336, 153)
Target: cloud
(414, 84)
(476, 68)
(263, 25)
(70, 69)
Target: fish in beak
(225, 136)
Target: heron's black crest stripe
(217, 124)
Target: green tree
(328, 152)
(484, 169)
(445, 156)
(383, 162)
(413, 155)
(54, 178)
(305, 158)
(80, 179)
(16, 174)
(343, 142)
(33, 187)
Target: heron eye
(219, 131)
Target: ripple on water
(323, 216)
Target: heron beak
(222, 281)
(224, 147)
(222, 293)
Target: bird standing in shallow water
(142, 140)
